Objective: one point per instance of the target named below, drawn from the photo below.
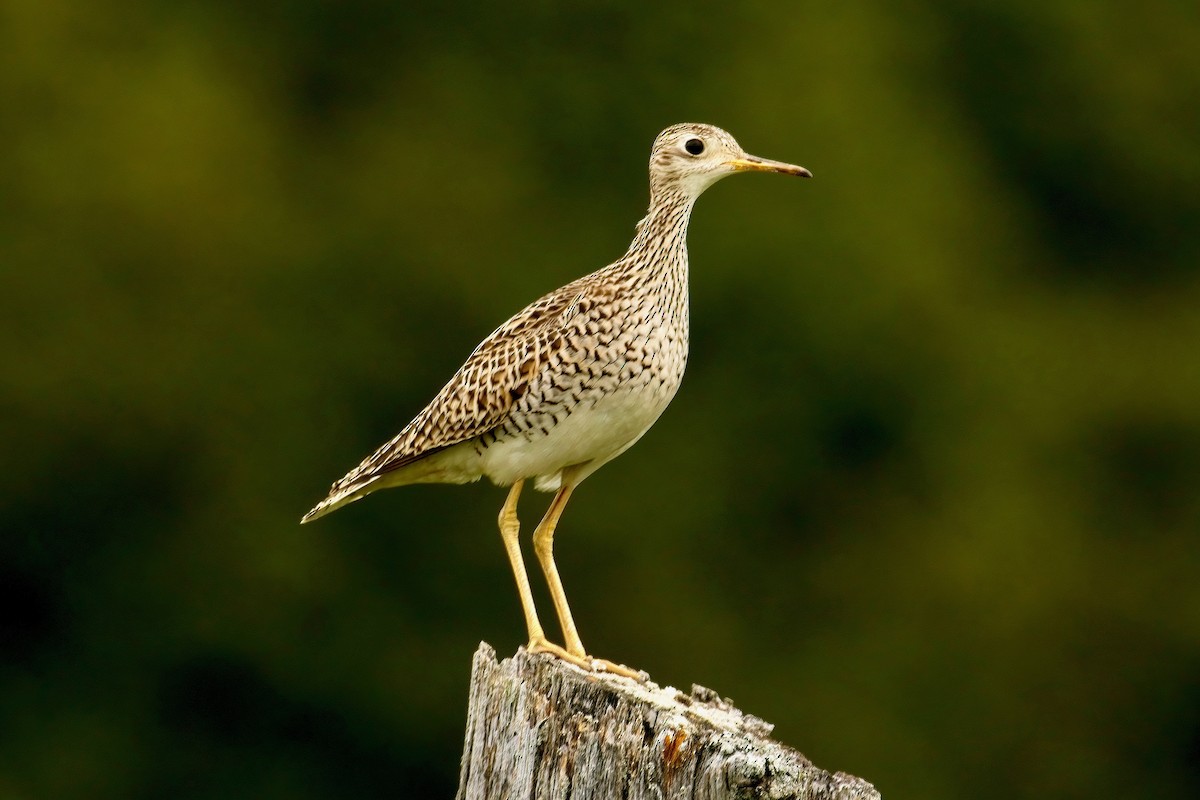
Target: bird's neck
(659, 248)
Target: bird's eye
(694, 146)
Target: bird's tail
(340, 497)
(428, 467)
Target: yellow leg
(543, 545)
(510, 529)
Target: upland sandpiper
(571, 381)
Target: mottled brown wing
(481, 394)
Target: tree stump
(538, 727)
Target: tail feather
(339, 498)
(439, 465)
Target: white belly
(585, 439)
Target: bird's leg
(510, 528)
(543, 545)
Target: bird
(571, 381)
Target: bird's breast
(604, 388)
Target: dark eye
(694, 146)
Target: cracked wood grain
(541, 729)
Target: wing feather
(482, 393)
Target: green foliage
(927, 500)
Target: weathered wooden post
(539, 728)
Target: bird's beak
(755, 164)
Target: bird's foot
(584, 661)
(603, 665)
(541, 645)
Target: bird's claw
(585, 662)
(603, 665)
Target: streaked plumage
(578, 376)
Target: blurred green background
(928, 499)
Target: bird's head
(691, 157)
